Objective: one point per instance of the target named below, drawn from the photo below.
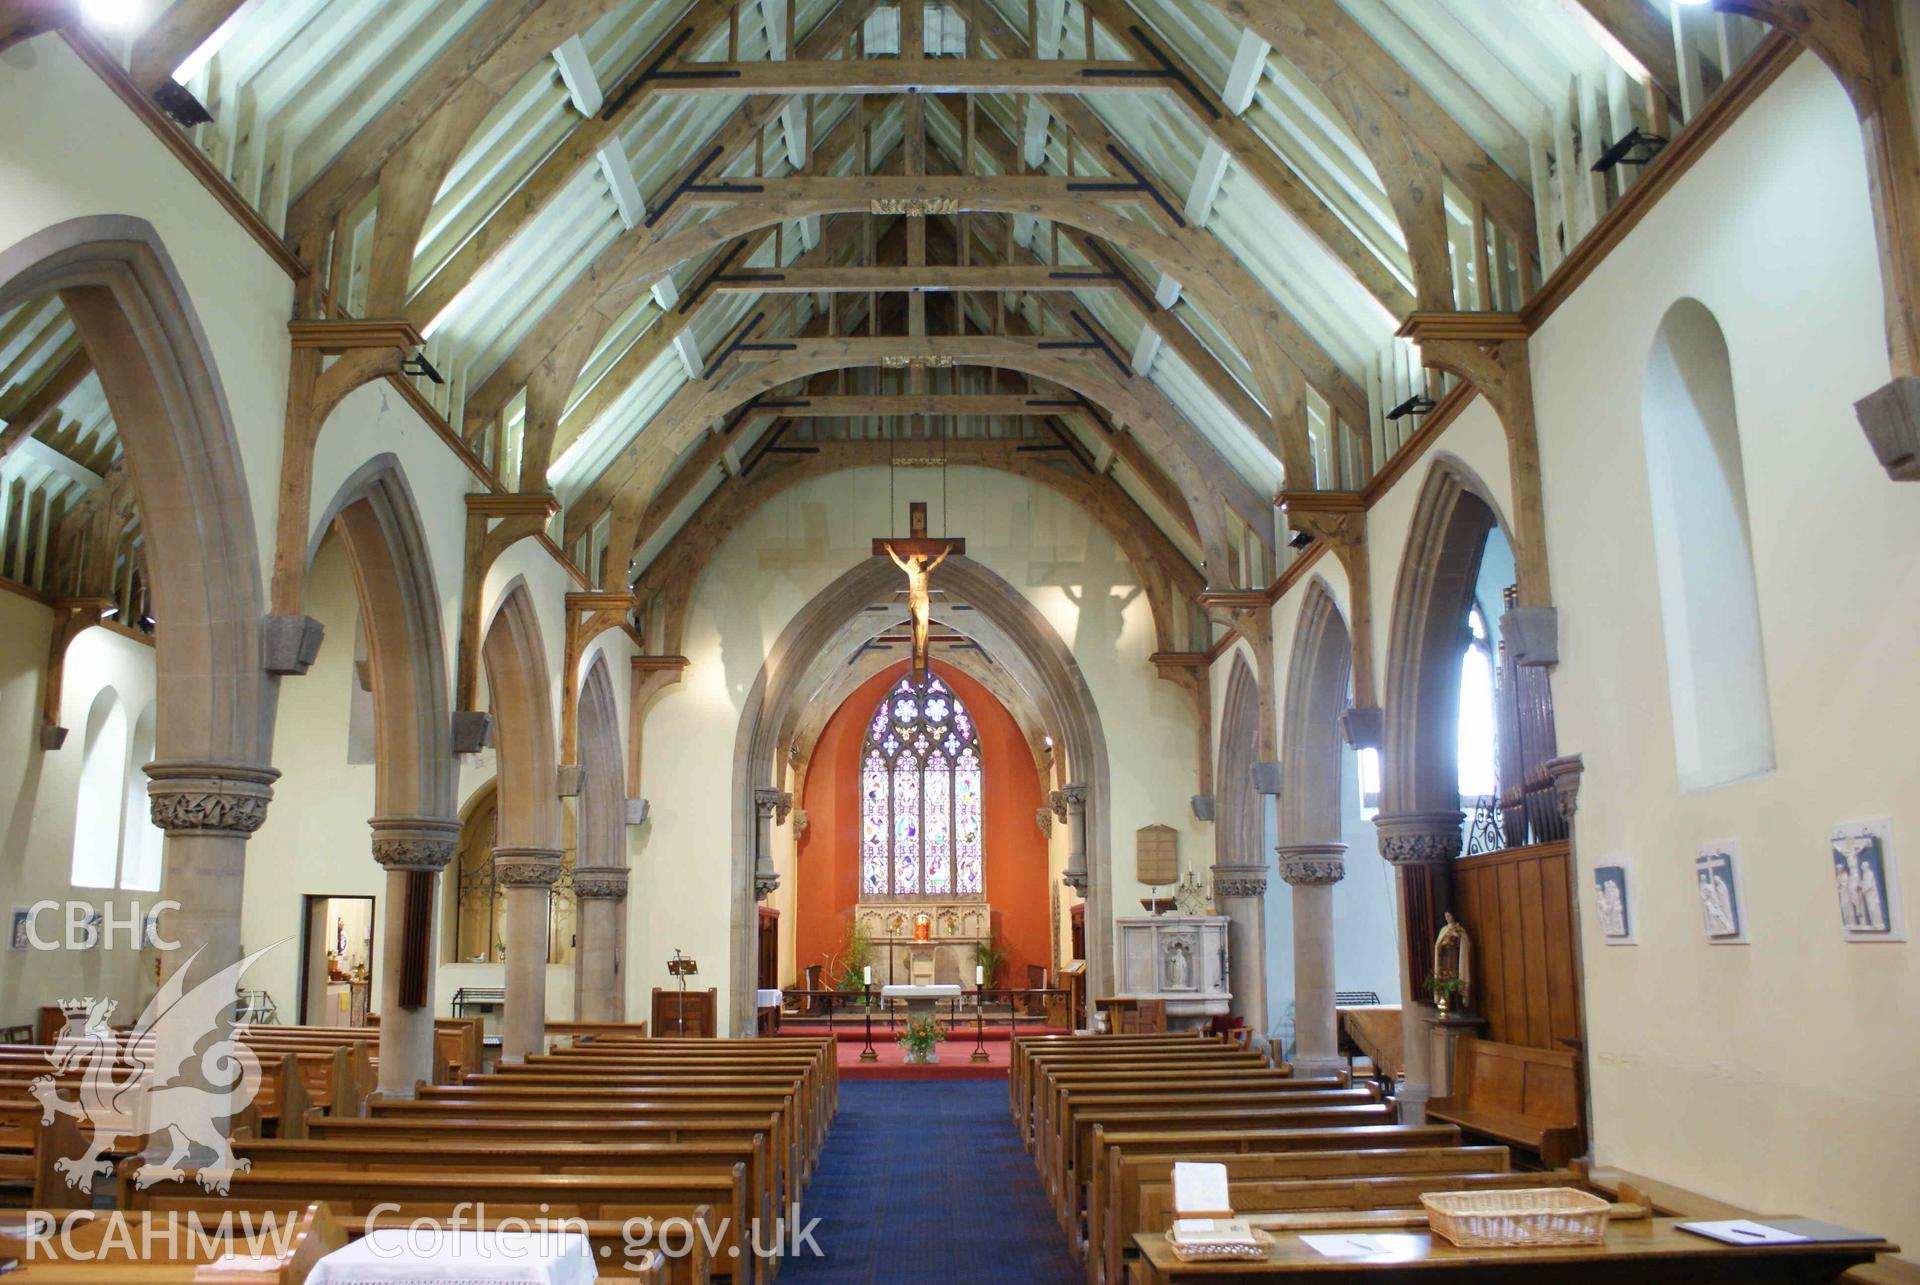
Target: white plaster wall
(104, 161)
(782, 556)
(1747, 1072)
(38, 803)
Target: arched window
(920, 796)
(1479, 771)
(140, 838)
(103, 772)
(1709, 599)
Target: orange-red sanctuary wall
(828, 858)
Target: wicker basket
(1523, 1216)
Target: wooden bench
(611, 1198)
(1529, 1097)
(106, 1250)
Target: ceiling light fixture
(1636, 147)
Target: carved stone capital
(1239, 881)
(414, 843)
(783, 808)
(1419, 838)
(1076, 880)
(600, 883)
(1043, 817)
(1073, 798)
(1310, 864)
(800, 822)
(765, 883)
(209, 798)
(526, 867)
(1565, 773)
(1057, 804)
(766, 800)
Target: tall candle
(868, 970)
(979, 974)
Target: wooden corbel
(652, 675)
(362, 351)
(588, 616)
(71, 618)
(1187, 670)
(1249, 612)
(494, 524)
(1859, 41)
(1338, 519)
(1489, 351)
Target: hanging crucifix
(918, 555)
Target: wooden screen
(1516, 907)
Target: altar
(925, 943)
(921, 1001)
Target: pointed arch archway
(527, 852)
(1061, 694)
(1420, 817)
(416, 777)
(1312, 854)
(600, 874)
(210, 782)
(1239, 858)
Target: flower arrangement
(1445, 986)
(919, 1036)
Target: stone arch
(1063, 697)
(1239, 856)
(211, 780)
(600, 860)
(1420, 818)
(1312, 853)
(526, 858)
(416, 778)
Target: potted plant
(920, 1037)
(1444, 985)
(991, 956)
(848, 969)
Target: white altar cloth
(946, 991)
(398, 1256)
(768, 998)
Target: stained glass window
(921, 827)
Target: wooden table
(1647, 1251)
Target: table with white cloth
(921, 1001)
(435, 1256)
(767, 1003)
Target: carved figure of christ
(919, 600)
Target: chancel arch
(527, 857)
(1061, 693)
(416, 777)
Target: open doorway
(336, 960)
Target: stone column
(208, 811)
(1421, 845)
(1311, 870)
(766, 801)
(600, 892)
(413, 851)
(528, 875)
(1240, 893)
(1073, 798)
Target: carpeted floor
(924, 1183)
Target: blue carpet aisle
(924, 1182)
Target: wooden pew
(1114, 1211)
(110, 1251)
(1030, 1111)
(1023, 1048)
(713, 1197)
(1529, 1097)
(629, 1077)
(756, 1134)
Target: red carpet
(956, 1054)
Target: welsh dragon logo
(180, 1072)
